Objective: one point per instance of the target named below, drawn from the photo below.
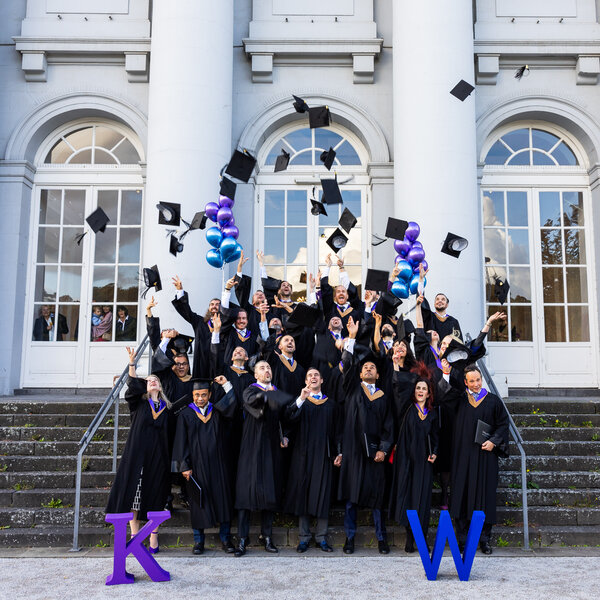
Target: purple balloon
(224, 216)
(225, 201)
(417, 245)
(425, 266)
(415, 256)
(231, 221)
(211, 210)
(402, 247)
(230, 231)
(412, 232)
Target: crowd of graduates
(292, 406)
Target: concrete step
(59, 479)
(551, 463)
(519, 406)
(67, 449)
(54, 408)
(557, 420)
(546, 434)
(548, 515)
(54, 463)
(62, 420)
(550, 497)
(59, 497)
(557, 448)
(61, 434)
(552, 479)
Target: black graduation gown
(316, 444)
(444, 327)
(412, 477)
(290, 379)
(147, 447)
(326, 356)
(474, 476)
(199, 446)
(362, 480)
(259, 474)
(331, 309)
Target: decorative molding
(17, 171)
(34, 65)
(488, 67)
(588, 69)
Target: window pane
(296, 246)
(129, 245)
(296, 207)
(103, 158)
(575, 247)
(107, 138)
(59, 153)
(493, 208)
(299, 139)
(50, 207)
(83, 157)
(497, 155)
(352, 202)
(549, 209)
(518, 246)
(519, 279)
(42, 319)
(564, 155)
(355, 274)
(551, 246)
(46, 279)
(324, 138)
(70, 284)
(71, 251)
(80, 138)
(274, 246)
(490, 279)
(274, 207)
(48, 327)
(520, 328)
(579, 324)
(274, 153)
(106, 245)
(324, 249)
(522, 158)
(573, 209)
(126, 153)
(494, 245)
(108, 202)
(48, 244)
(68, 323)
(131, 207)
(516, 209)
(554, 323)
(73, 213)
(518, 139)
(277, 272)
(577, 284)
(552, 279)
(104, 284)
(304, 158)
(499, 331)
(333, 214)
(103, 331)
(347, 155)
(126, 330)
(543, 139)
(352, 253)
(539, 158)
(293, 276)
(127, 284)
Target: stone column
(435, 163)
(189, 137)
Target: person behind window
(44, 329)
(126, 326)
(102, 331)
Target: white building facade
(125, 103)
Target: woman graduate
(416, 449)
(143, 482)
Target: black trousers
(266, 523)
(462, 528)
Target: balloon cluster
(410, 256)
(223, 236)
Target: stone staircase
(39, 436)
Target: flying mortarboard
(318, 208)
(522, 72)
(241, 165)
(377, 240)
(319, 116)
(227, 188)
(151, 280)
(501, 288)
(347, 221)
(299, 104)
(462, 90)
(303, 277)
(98, 220)
(198, 222)
(454, 245)
(337, 240)
(387, 304)
(377, 280)
(282, 161)
(457, 353)
(396, 228)
(181, 343)
(175, 245)
(169, 213)
(304, 315)
(331, 191)
(327, 157)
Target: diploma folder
(483, 433)
(371, 445)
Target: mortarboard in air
(181, 344)
(462, 90)
(241, 165)
(331, 191)
(327, 157)
(299, 104)
(377, 281)
(396, 228)
(347, 220)
(199, 383)
(175, 245)
(318, 208)
(98, 220)
(319, 116)
(377, 240)
(169, 213)
(303, 277)
(227, 188)
(282, 161)
(337, 240)
(387, 304)
(457, 352)
(151, 280)
(501, 287)
(198, 222)
(522, 72)
(454, 245)
(304, 315)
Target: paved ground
(510, 574)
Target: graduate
(439, 320)
(367, 438)
(317, 442)
(287, 372)
(327, 353)
(259, 476)
(199, 455)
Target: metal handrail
(112, 398)
(516, 434)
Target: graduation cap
(331, 191)
(318, 208)
(151, 280)
(454, 245)
(522, 72)
(327, 157)
(282, 162)
(387, 304)
(337, 240)
(198, 222)
(169, 213)
(175, 245)
(462, 90)
(98, 220)
(457, 354)
(396, 228)
(304, 315)
(181, 343)
(303, 277)
(377, 280)
(347, 220)
(377, 240)
(227, 188)
(200, 383)
(241, 166)
(319, 116)
(501, 288)
(299, 104)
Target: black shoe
(461, 548)
(198, 548)
(270, 546)
(325, 546)
(383, 547)
(349, 546)
(183, 500)
(485, 548)
(302, 547)
(228, 546)
(409, 547)
(241, 549)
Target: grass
(28, 425)
(3, 468)
(514, 486)
(531, 485)
(548, 439)
(101, 544)
(559, 423)
(436, 486)
(18, 487)
(36, 437)
(109, 421)
(572, 487)
(4, 526)
(543, 422)
(85, 465)
(53, 503)
(508, 522)
(595, 437)
(98, 437)
(514, 504)
(537, 411)
(587, 424)
(501, 543)
(178, 544)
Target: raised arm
(182, 304)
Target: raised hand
(242, 262)
(230, 283)
(131, 352)
(260, 256)
(395, 271)
(305, 393)
(151, 304)
(422, 272)
(340, 262)
(352, 328)
(216, 323)
(328, 260)
(312, 282)
(177, 282)
(221, 379)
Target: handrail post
(76, 547)
(115, 435)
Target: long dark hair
(423, 374)
(409, 360)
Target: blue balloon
(406, 270)
(236, 253)
(227, 247)
(400, 289)
(414, 284)
(214, 259)
(214, 236)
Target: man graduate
(439, 320)
(367, 438)
(308, 491)
(259, 473)
(198, 454)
